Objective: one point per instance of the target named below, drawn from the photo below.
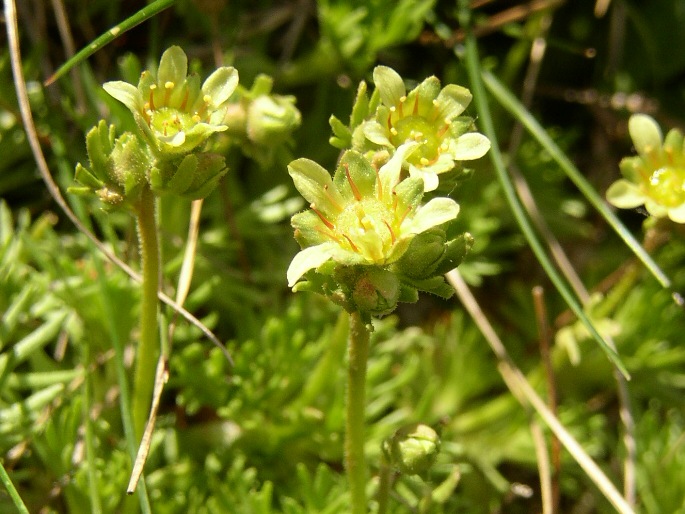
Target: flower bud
(118, 166)
(271, 119)
(376, 291)
(193, 176)
(412, 449)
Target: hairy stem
(355, 463)
(148, 346)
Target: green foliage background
(265, 436)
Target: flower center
(667, 186)
(169, 121)
(369, 227)
(417, 128)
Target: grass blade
(474, 72)
(12, 491)
(109, 36)
(518, 111)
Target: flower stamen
(355, 190)
(168, 86)
(322, 217)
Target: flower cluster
(368, 241)
(655, 177)
(175, 115)
(428, 115)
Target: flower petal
(362, 177)
(307, 259)
(126, 93)
(429, 177)
(375, 133)
(173, 66)
(453, 100)
(677, 214)
(625, 195)
(220, 85)
(389, 174)
(316, 186)
(436, 212)
(645, 133)
(470, 146)
(389, 85)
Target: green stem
(355, 463)
(384, 486)
(148, 346)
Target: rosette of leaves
(655, 177)
(428, 115)
(176, 114)
(118, 167)
(367, 242)
(261, 122)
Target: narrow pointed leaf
(145, 13)
(477, 75)
(511, 104)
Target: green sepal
(455, 252)
(182, 178)
(342, 135)
(99, 144)
(360, 109)
(434, 285)
(193, 176)
(423, 255)
(408, 294)
(85, 177)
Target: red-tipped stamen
(355, 191)
(392, 234)
(354, 246)
(322, 217)
(401, 106)
(389, 120)
(184, 103)
(443, 130)
(329, 235)
(416, 104)
(152, 99)
(330, 198)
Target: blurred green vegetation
(265, 436)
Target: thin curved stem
(355, 462)
(148, 346)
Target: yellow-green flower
(360, 216)
(655, 177)
(428, 115)
(358, 237)
(173, 110)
